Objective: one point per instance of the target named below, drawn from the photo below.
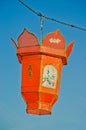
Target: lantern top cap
(53, 45)
(27, 39)
(54, 40)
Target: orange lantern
(41, 69)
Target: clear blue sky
(69, 113)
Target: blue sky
(69, 113)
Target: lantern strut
(52, 19)
(14, 43)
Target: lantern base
(39, 108)
(38, 112)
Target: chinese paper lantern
(41, 69)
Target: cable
(52, 19)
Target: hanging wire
(52, 19)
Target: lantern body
(41, 71)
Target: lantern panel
(30, 73)
(30, 96)
(50, 73)
(47, 97)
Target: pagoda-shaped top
(53, 44)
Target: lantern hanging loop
(52, 19)
(41, 26)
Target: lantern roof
(53, 40)
(53, 45)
